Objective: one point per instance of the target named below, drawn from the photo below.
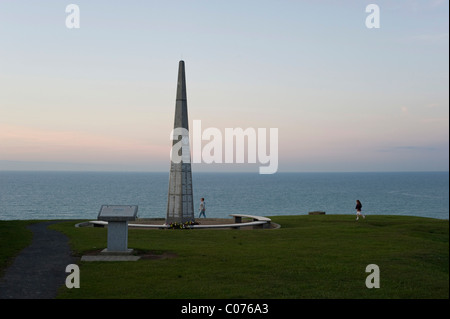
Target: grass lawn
(14, 236)
(308, 257)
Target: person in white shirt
(202, 208)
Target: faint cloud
(438, 38)
(436, 120)
(437, 3)
(20, 143)
(408, 148)
(419, 5)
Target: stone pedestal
(117, 217)
(117, 237)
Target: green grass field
(308, 257)
(13, 238)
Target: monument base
(107, 252)
(106, 255)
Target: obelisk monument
(180, 204)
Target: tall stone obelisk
(180, 204)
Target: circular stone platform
(203, 223)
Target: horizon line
(212, 172)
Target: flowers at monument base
(185, 225)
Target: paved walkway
(40, 269)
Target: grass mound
(308, 257)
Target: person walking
(358, 209)
(202, 208)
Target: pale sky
(343, 97)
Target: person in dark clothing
(358, 209)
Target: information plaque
(117, 213)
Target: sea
(80, 195)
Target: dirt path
(39, 270)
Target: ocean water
(79, 195)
